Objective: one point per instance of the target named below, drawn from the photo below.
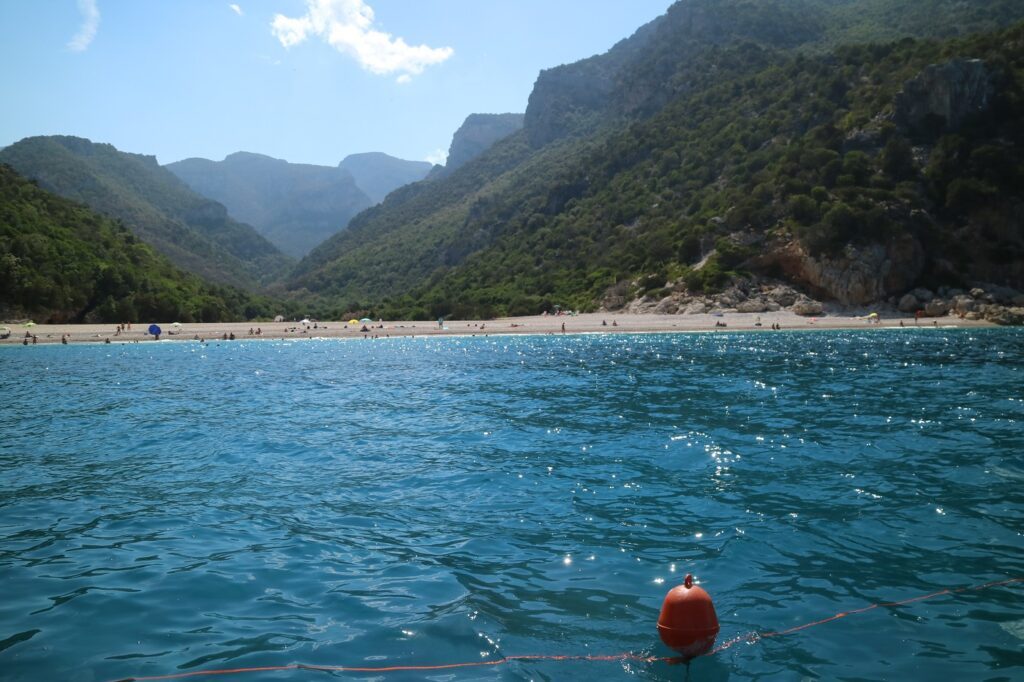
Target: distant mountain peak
(296, 206)
(378, 174)
(477, 134)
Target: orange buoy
(688, 622)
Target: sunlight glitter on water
(262, 506)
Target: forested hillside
(196, 234)
(62, 262)
(727, 140)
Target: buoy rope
(751, 637)
(756, 636)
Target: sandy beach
(537, 324)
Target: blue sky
(304, 80)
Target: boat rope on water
(751, 637)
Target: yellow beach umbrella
(353, 321)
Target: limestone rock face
(477, 134)
(860, 275)
(942, 96)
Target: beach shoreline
(536, 324)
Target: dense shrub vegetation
(62, 262)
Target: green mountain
(196, 234)
(295, 206)
(378, 174)
(62, 262)
(727, 141)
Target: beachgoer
(108, 340)
(232, 336)
(563, 327)
(615, 323)
(440, 323)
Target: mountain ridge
(295, 206)
(193, 232)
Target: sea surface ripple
(172, 507)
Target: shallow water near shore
(168, 508)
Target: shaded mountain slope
(295, 206)
(379, 174)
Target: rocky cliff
(476, 135)
(943, 96)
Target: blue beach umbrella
(154, 330)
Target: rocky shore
(983, 303)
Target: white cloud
(403, 79)
(90, 22)
(437, 157)
(347, 26)
(236, 9)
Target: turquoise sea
(168, 508)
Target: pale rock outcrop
(943, 96)
(1004, 315)
(667, 306)
(806, 306)
(963, 304)
(936, 308)
(859, 275)
(696, 308)
(752, 305)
